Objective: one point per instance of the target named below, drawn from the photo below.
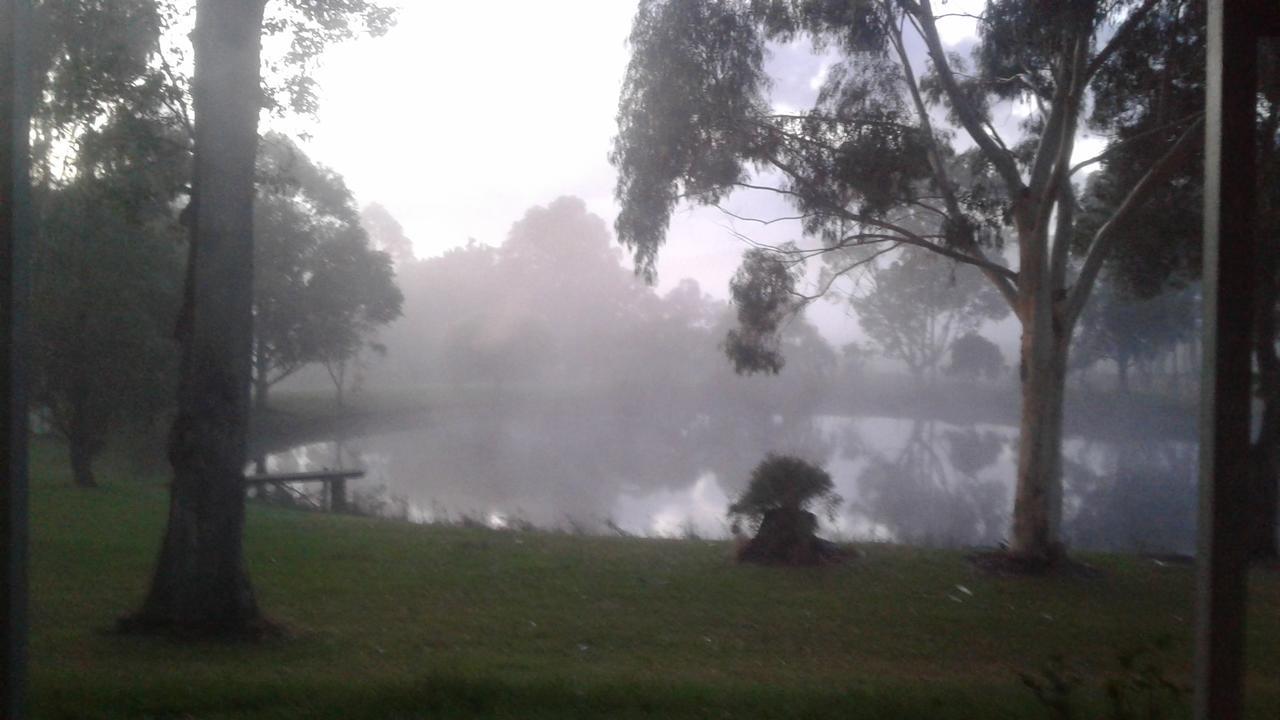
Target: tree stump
(787, 537)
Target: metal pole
(15, 229)
(1229, 189)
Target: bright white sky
(467, 114)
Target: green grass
(390, 620)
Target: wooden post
(15, 228)
(1229, 250)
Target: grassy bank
(390, 620)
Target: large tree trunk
(1037, 509)
(1046, 337)
(201, 585)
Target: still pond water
(921, 482)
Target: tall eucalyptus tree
(880, 160)
(201, 585)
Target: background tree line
(113, 154)
(876, 165)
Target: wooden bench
(281, 482)
(315, 476)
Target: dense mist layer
(558, 390)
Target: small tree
(973, 356)
(778, 503)
(895, 152)
(105, 287)
(386, 233)
(1132, 330)
(920, 302)
(785, 482)
(320, 287)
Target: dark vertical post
(14, 279)
(1225, 396)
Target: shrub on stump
(777, 505)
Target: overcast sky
(467, 114)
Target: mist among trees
(965, 314)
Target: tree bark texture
(201, 585)
(1037, 511)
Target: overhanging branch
(1104, 241)
(1118, 38)
(1130, 140)
(969, 117)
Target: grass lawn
(390, 620)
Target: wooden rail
(316, 476)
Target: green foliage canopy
(786, 482)
(320, 289)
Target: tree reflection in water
(1132, 497)
(925, 498)
(657, 465)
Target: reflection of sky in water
(901, 479)
(698, 509)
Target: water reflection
(1132, 497)
(562, 465)
(933, 491)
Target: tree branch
(1003, 278)
(1002, 160)
(1130, 140)
(844, 271)
(182, 111)
(1118, 39)
(1059, 129)
(1062, 238)
(1005, 285)
(1107, 236)
(760, 221)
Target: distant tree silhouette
(974, 356)
(919, 303)
(386, 233)
(874, 165)
(320, 289)
(106, 286)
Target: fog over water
(562, 392)
(542, 384)
(917, 481)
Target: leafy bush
(785, 482)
